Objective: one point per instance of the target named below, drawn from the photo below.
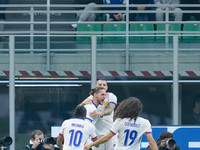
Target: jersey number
(75, 138)
(130, 135)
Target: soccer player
(98, 96)
(106, 113)
(129, 126)
(75, 132)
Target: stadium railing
(40, 14)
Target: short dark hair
(129, 108)
(103, 79)
(166, 134)
(36, 132)
(80, 112)
(96, 90)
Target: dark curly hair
(129, 108)
(80, 112)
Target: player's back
(130, 132)
(76, 133)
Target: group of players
(93, 126)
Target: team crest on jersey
(105, 103)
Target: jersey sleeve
(115, 126)
(90, 108)
(92, 132)
(62, 128)
(148, 127)
(112, 98)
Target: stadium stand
(70, 57)
(88, 28)
(172, 29)
(114, 27)
(40, 19)
(193, 28)
(39, 16)
(142, 27)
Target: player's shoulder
(88, 105)
(67, 122)
(70, 120)
(143, 120)
(120, 121)
(89, 124)
(111, 96)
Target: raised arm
(103, 139)
(86, 101)
(151, 141)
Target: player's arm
(86, 101)
(103, 139)
(151, 141)
(94, 139)
(109, 109)
(59, 141)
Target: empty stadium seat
(193, 28)
(85, 28)
(142, 27)
(114, 27)
(176, 28)
(171, 27)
